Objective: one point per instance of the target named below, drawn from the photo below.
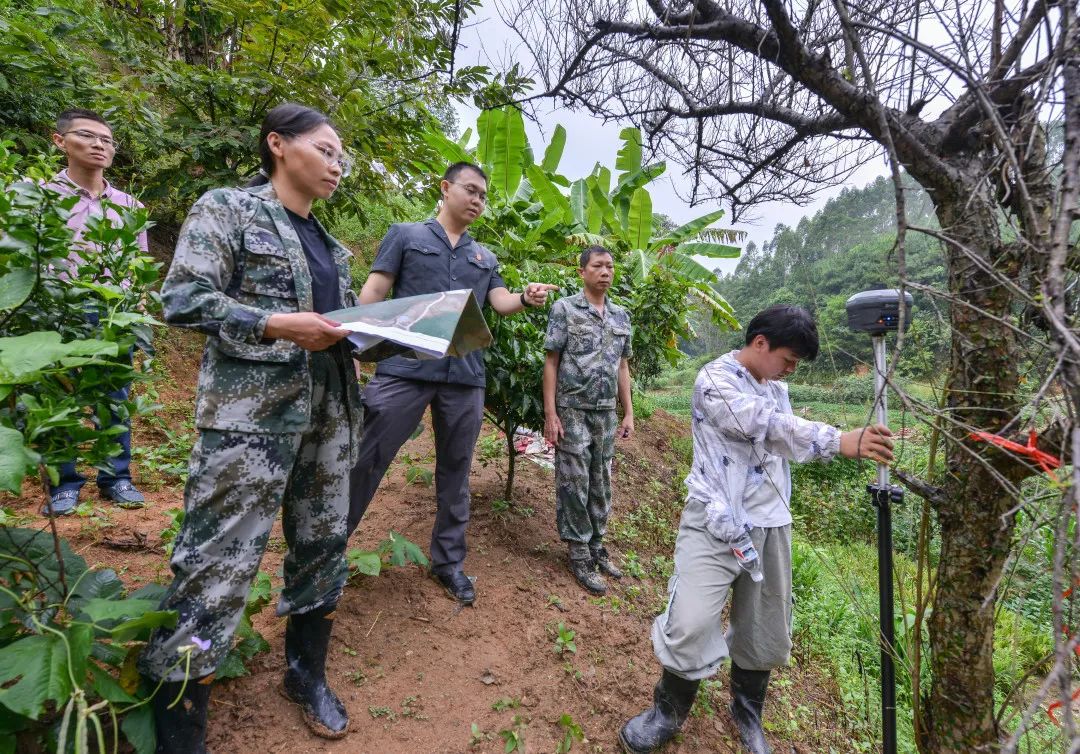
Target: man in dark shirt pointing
(429, 257)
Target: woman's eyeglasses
(343, 160)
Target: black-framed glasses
(473, 191)
(106, 141)
(331, 156)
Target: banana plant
(531, 220)
(632, 205)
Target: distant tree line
(819, 263)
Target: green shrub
(363, 230)
(801, 394)
(69, 629)
(829, 501)
(658, 308)
(643, 405)
(66, 332)
(852, 388)
(684, 449)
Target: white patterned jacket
(736, 422)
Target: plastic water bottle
(747, 555)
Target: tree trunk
(976, 528)
(511, 463)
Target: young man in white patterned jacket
(745, 435)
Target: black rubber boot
(584, 570)
(307, 637)
(672, 699)
(748, 688)
(604, 564)
(181, 727)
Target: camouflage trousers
(238, 482)
(583, 477)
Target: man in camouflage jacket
(587, 344)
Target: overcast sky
(487, 41)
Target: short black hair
(64, 119)
(458, 168)
(588, 253)
(786, 326)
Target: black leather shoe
(181, 727)
(672, 699)
(307, 638)
(459, 586)
(748, 688)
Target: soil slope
(415, 670)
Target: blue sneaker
(124, 494)
(61, 503)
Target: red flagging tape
(1044, 460)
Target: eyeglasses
(343, 160)
(473, 191)
(106, 141)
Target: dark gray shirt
(325, 287)
(422, 260)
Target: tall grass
(836, 627)
(834, 562)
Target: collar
(63, 177)
(278, 212)
(732, 363)
(436, 227)
(579, 300)
(264, 191)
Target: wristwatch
(524, 302)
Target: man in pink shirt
(88, 141)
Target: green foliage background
(66, 330)
(538, 221)
(186, 84)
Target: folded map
(430, 326)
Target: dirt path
(416, 671)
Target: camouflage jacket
(237, 261)
(590, 348)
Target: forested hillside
(844, 248)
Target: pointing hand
(536, 293)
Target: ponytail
(288, 120)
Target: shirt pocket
(619, 337)
(582, 338)
(423, 267)
(476, 271)
(268, 274)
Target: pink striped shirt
(89, 206)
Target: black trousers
(393, 407)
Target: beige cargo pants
(689, 637)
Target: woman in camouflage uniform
(279, 418)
